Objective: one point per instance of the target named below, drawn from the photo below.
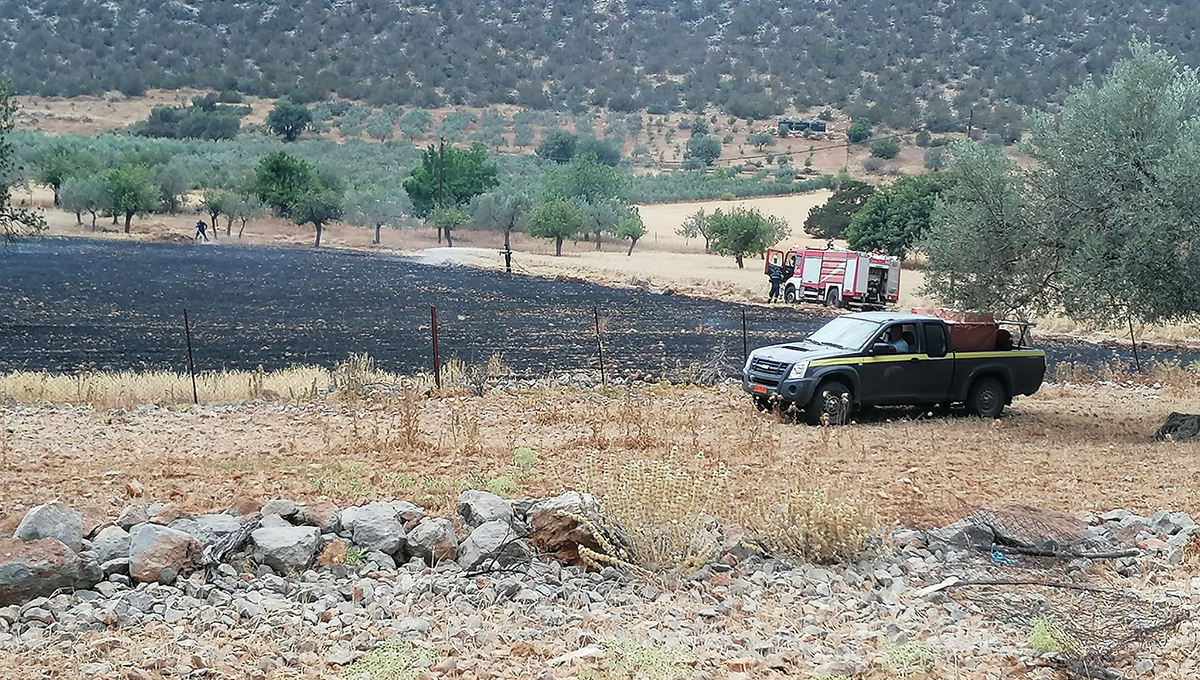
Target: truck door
(892, 378)
(934, 365)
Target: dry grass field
(1070, 447)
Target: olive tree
(556, 219)
(504, 208)
(745, 231)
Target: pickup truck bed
(845, 366)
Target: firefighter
(775, 274)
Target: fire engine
(836, 277)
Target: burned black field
(68, 305)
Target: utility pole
(441, 180)
(970, 124)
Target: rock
(286, 549)
(194, 529)
(161, 554)
(476, 507)
(375, 526)
(280, 506)
(1035, 528)
(334, 553)
(132, 515)
(274, 522)
(219, 524)
(493, 545)
(553, 531)
(52, 520)
(407, 512)
(433, 540)
(110, 544)
(168, 513)
(1178, 427)
(323, 515)
(30, 569)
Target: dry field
(1070, 447)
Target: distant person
(201, 231)
(775, 274)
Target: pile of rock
(158, 543)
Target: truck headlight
(798, 370)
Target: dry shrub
(817, 524)
(664, 508)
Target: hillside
(899, 63)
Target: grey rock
(493, 545)
(274, 522)
(119, 565)
(381, 560)
(280, 506)
(32, 568)
(414, 625)
(1118, 515)
(38, 614)
(161, 554)
(52, 520)
(286, 549)
(477, 507)
(219, 524)
(375, 526)
(132, 515)
(1144, 666)
(111, 543)
(194, 529)
(407, 512)
(433, 540)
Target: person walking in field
(201, 231)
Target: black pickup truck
(884, 358)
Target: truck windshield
(845, 333)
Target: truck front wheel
(832, 400)
(986, 398)
(833, 298)
(789, 295)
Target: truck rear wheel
(789, 295)
(833, 298)
(986, 398)
(831, 399)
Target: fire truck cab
(836, 277)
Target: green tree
(556, 219)
(745, 231)
(588, 182)
(895, 218)
(414, 123)
(217, 202)
(504, 208)
(376, 207)
(59, 164)
(522, 135)
(174, 181)
(320, 207)
(557, 145)
(761, 140)
(698, 225)
(1107, 222)
(705, 148)
(831, 218)
(379, 126)
(84, 194)
(130, 191)
(447, 219)
(631, 227)
(281, 179)
(607, 151)
(859, 131)
(449, 179)
(888, 147)
(289, 119)
(245, 208)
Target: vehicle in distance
(895, 359)
(837, 277)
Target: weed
(1048, 636)
(911, 659)
(524, 458)
(354, 555)
(812, 524)
(627, 659)
(391, 661)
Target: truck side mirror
(882, 348)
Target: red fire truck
(837, 277)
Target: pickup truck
(887, 358)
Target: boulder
(193, 528)
(52, 520)
(1034, 528)
(1178, 427)
(433, 540)
(218, 524)
(132, 515)
(477, 507)
(322, 515)
(282, 507)
(168, 513)
(553, 529)
(287, 550)
(36, 568)
(493, 545)
(110, 544)
(161, 554)
(375, 526)
(408, 513)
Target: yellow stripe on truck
(889, 358)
